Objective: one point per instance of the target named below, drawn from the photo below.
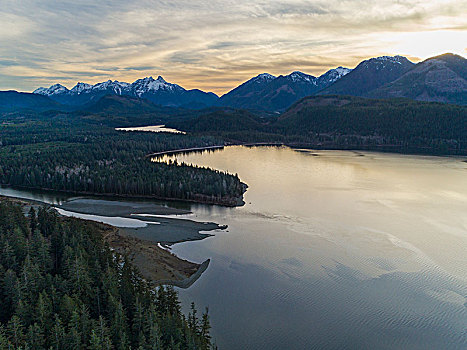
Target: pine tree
(58, 334)
(205, 328)
(35, 337)
(32, 220)
(15, 330)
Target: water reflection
(153, 128)
(335, 250)
(332, 250)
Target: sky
(214, 45)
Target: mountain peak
(264, 77)
(393, 59)
(370, 75)
(342, 70)
(158, 91)
(55, 89)
(447, 57)
(80, 87)
(333, 75)
(441, 78)
(300, 76)
(149, 84)
(114, 86)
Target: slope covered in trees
(347, 122)
(61, 287)
(12, 100)
(400, 119)
(68, 155)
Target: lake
(335, 250)
(152, 128)
(332, 250)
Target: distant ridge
(13, 100)
(369, 75)
(266, 92)
(157, 91)
(438, 79)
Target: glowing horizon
(214, 45)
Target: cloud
(213, 44)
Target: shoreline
(229, 202)
(207, 148)
(182, 150)
(386, 149)
(156, 264)
(395, 149)
(188, 282)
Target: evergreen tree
(91, 298)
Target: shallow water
(335, 250)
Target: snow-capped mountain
(77, 89)
(115, 87)
(56, 89)
(263, 77)
(332, 76)
(262, 92)
(301, 77)
(267, 92)
(384, 59)
(149, 84)
(369, 75)
(442, 79)
(242, 95)
(157, 90)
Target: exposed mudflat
(156, 227)
(117, 208)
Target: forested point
(61, 287)
(69, 155)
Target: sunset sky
(214, 44)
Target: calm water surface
(335, 250)
(152, 128)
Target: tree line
(61, 287)
(77, 157)
(346, 122)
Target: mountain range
(263, 92)
(438, 79)
(267, 92)
(157, 91)
(369, 75)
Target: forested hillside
(61, 287)
(13, 101)
(347, 122)
(68, 155)
(399, 121)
